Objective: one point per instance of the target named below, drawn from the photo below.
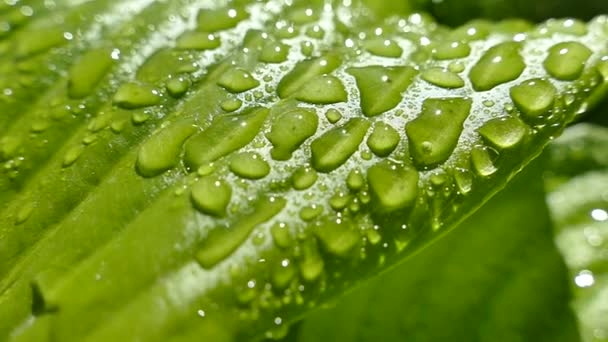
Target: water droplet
(133, 95)
(231, 105)
(178, 86)
(534, 97)
(473, 30)
(90, 69)
(500, 64)
(322, 89)
(504, 132)
(281, 235)
(307, 48)
(333, 115)
(72, 154)
(213, 20)
(211, 196)
(303, 15)
(196, 40)
(335, 147)
(383, 47)
(36, 41)
(442, 78)
(481, 156)
(237, 80)
(337, 236)
(381, 87)
(393, 187)
(305, 71)
(221, 242)
(24, 213)
(283, 273)
(315, 32)
(434, 134)
(162, 151)
(274, 52)
(339, 201)
(289, 130)
(464, 180)
(566, 61)
(304, 178)
(566, 26)
(249, 165)
(226, 134)
(311, 264)
(310, 212)
(355, 180)
(450, 50)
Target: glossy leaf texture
(215, 169)
(578, 200)
(489, 280)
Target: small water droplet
(500, 64)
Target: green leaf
(579, 208)
(216, 233)
(497, 277)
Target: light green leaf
(579, 207)
(102, 239)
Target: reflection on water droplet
(584, 279)
(599, 215)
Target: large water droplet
(237, 80)
(504, 132)
(221, 242)
(534, 97)
(322, 89)
(500, 64)
(274, 52)
(226, 134)
(333, 148)
(434, 134)
(393, 186)
(566, 61)
(338, 236)
(162, 151)
(289, 130)
(213, 20)
(305, 71)
(450, 50)
(281, 235)
(383, 47)
(304, 178)
(136, 95)
(249, 165)
(84, 76)
(211, 196)
(194, 40)
(381, 87)
(482, 159)
(442, 78)
(311, 264)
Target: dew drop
(249, 165)
(195, 40)
(500, 64)
(442, 78)
(534, 98)
(162, 151)
(481, 157)
(381, 87)
(133, 95)
(504, 132)
(383, 47)
(289, 130)
(226, 134)
(90, 69)
(322, 89)
(393, 187)
(566, 61)
(303, 178)
(211, 196)
(237, 80)
(213, 20)
(434, 134)
(337, 145)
